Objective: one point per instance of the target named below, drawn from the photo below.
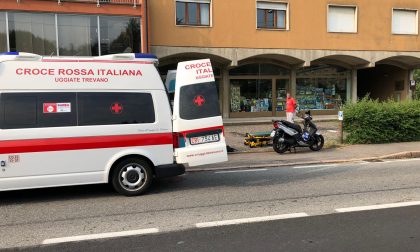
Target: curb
(270, 149)
(400, 155)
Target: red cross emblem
(199, 100)
(116, 108)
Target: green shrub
(371, 121)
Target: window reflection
(192, 13)
(119, 34)
(3, 35)
(77, 35)
(32, 32)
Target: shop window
(320, 88)
(259, 69)
(3, 32)
(342, 19)
(251, 95)
(193, 12)
(404, 21)
(32, 32)
(77, 35)
(271, 15)
(119, 34)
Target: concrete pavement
(304, 156)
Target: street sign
(340, 115)
(413, 83)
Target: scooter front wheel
(279, 147)
(318, 143)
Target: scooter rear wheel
(279, 147)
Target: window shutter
(404, 22)
(272, 6)
(341, 19)
(195, 1)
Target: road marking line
(101, 236)
(375, 207)
(402, 160)
(250, 220)
(314, 166)
(252, 170)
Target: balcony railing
(99, 2)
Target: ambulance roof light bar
(13, 56)
(9, 56)
(129, 56)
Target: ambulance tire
(132, 176)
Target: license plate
(204, 139)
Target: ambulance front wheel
(132, 176)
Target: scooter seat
(292, 125)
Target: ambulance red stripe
(83, 143)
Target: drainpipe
(354, 85)
(145, 17)
(410, 90)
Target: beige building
(325, 52)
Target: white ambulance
(72, 121)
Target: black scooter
(287, 135)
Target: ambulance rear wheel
(132, 176)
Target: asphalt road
(175, 207)
(384, 230)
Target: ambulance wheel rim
(132, 177)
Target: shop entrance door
(280, 88)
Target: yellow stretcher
(257, 139)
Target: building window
(119, 34)
(3, 32)
(271, 15)
(78, 35)
(193, 12)
(32, 32)
(404, 21)
(342, 19)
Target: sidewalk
(304, 156)
(267, 120)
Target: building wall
(234, 26)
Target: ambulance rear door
(197, 122)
